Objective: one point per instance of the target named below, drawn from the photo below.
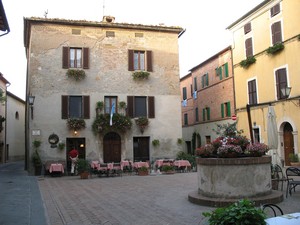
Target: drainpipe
(250, 122)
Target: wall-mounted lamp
(31, 102)
(75, 132)
(286, 91)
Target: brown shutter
(65, 57)
(64, 106)
(149, 61)
(130, 106)
(276, 33)
(130, 60)
(247, 28)
(86, 107)
(85, 58)
(248, 45)
(151, 107)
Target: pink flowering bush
(257, 149)
(226, 150)
(205, 151)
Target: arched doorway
(112, 147)
(288, 142)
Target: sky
(205, 23)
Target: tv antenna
(46, 13)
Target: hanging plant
(247, 62)
(179, 141)
(100, 105)
(142, 122)
(122, 105)
(61, 146)
(155, 142)
(275, 48)
(140, 75)
(120, 123)
(76, 74)
(75, 123)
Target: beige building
(3, 120)
(108, 53)
(207, 99)
(15, 132)
(268, 37)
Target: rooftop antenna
(46, 13)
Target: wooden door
(141, 149)
(79, 145)
(288, 142)
(112, 147)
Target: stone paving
(128, 200)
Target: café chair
(291, 174)
(279, 175)
(273, 209)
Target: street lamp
(31, 102)
(286, 91)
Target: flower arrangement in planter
(257, 149)
(205, 151)
(247, 62)
(76, 74)
(76, 123)
(168, 169)
(142, 122)
(229, 151)
(143, 171)
(120, 123)
(140, 75)
(275, 49)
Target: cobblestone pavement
(128, 200)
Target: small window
(249, 48)
(139, 60)
(208, 139)
(276, 33)
(204, 80)
(186, 122)
(195, 84)
(110, 34)
(247, 28)
(196, 115)
(109, 101)
(252, 93)
(275, 10)
(256, 135)
(75, 58)
(206, 114)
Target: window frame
(65, 106)
(147, 60)
(252, 94)
(111, 100)
(249, 47)
(66, 60)
(149, 108)
(276, 32)
(281, 83)
(275, 10)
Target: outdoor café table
(125, 163)
(140, 164)
(287, 219)
(95, 165)
(56, 167)
(182, 163)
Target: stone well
(225, 180)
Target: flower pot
(84, 175)
(143, 173)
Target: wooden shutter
(195, 84)
(86, 107)
(184, 95)
(203, 114)
(281, 82)
(191, 90)
(208, 113)
(130, 106)
(226, 70)
(130, 60)
(222, 110)
(252, 92)
(276, 33)
(65, 57)
(149, 61)
(275, 10)
(64, 106)
(85, 58)
(151, 107)
(207, 82)
(248, 46)
(247, 28)
(220, 73)
(202, 81)
(228, 109)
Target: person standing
(73, 154)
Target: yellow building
(266, 56)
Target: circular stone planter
(225, 180)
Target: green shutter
(202, 81)
(222, 110)
(203, 114)
(228, 109)
(226, 69)
(207, 79)
(208, 113)
(220, 73)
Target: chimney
(108, 19)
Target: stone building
(101, 59)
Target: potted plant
(76, 74)
(237, 213)
(247, 62)
(275, 48)
(143, 171)
(61, 146)
(75, 123)
(257, 149)
(205, 151)
(99, 106)
(83, 168)
(36, 159)
(142, 122)
(167, 169)
(140, 75)
(155, 142)
(294, 159)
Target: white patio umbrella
(272, 134)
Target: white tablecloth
(287, 219)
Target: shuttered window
(206, 114)
(275, 10)
(252, 93)
(184, 95)
(281, 82)
(247, 28)
(140, 106)
(225, 110)
(248, 46)
(276, 33)
(75, 107)
(196, 114)
(140, 60)
(75, 58)
(204, 80)
(195, 84)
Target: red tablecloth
(140, 164)
(181, 163)
(56, 167)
